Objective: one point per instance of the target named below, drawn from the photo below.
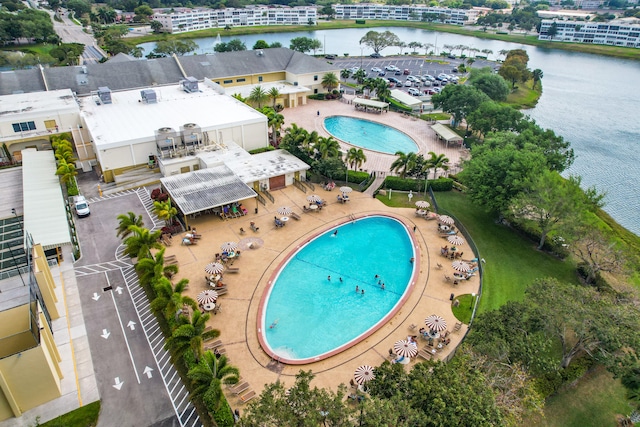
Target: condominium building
(185, 20)
(402, 13)
(614, 33)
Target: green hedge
(224, 416)
(262, 150)
(357, 177)
(397, 183)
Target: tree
(152, 269)
(493, 85)
(66, 171)
(552, 31)
(275, 45)
(355, 157)
(275, 122)
(330, 167)
(169, 299)
(510, 73)
(79, 7)
(435, 162)
(125, 222)
(402, 45)
(234, 45)
(315, 43)
(260, 44)
(67, 53)
(330, 81)
(414, 46)
(378, 41)
(156, 26)
(537, 76)
(327, 147)
(174, 47)
(141, 241)
(165, 211)
(494, 117)
(404, 163)
(304, 44)
(258, 96)
(208, 376)
(549, 202)
(189, 335)
(328, 11)
(142, 13)
(274, 94)
(459, 101)
(345, 74)
(360, 75)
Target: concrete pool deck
(237, 320)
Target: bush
(361, 21)
(357, 177)
(262, 150)
(441, 184)
(224, 416)
(155, 193)
(548, 384)
(317, 96)
(396, 183)
(578, 367)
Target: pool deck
(237, 319)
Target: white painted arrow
(147, 371)
(118, 384)
(95, 296)
(105, 334)
(119, 290)
(131, 325)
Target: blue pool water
(314, 315)
(369, 135)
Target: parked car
(437, 89)
(436, 83)
(413, 91)
(376, 70)
(427, 84)
(398, 73)
(408, 84)
(81, 206)
(393, 80)
(330, 57)
(413, 79)
(391, 68)
(429, 91)
(406, 72)
(382, 74)
(430, 78)
(375, 55)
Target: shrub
(361, 21)
(441, 184)
(163, 197)
(317, 96)
(396, 183)
(548, 384)
(357, 177)
(578, 367)
(224, 416)
(155, 193)
(262, 149)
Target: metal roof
(371, 103)
(11, 191)
(446, 133)
(45, 215)
(205, 189)
(405, 98)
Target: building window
(259, 78)
(240, 80)
(24, 126)
(315, 78)
(315, 91)
(227, 82)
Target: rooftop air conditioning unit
(104, 93)
(190, 84)
(260, 52)
(84, 69)
(149, 96)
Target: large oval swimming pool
(312, 309)
(369, 135)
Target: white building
(614, 33)
(402, 13)
(184, 20)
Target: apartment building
(614, 33)
(402, 13)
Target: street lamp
(361, 56)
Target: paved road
(70, 32)
(137, 383)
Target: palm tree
(276, 120)
(330, 82)
(414, 45)
(274, 94)
(487, 52)
(436, 162)
(66, 171)
(125, 221)
(165, 211)
(153, 268)
(310, 141)
(537, 75)
(65, 152)
(294, 138)
(258, 96)
(355, 157)
(327, 147)
(169, 299)
(360, 75)
(401, 45)
(209, 375)
(470, 61)
(383, 91)
(426, 47)
(404, 163)
(345, 74)
(368, 85)
(189, 335)
(503, 52)
(141, 241)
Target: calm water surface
(592, 101)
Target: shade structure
(346, 189)
(363, 374)
(460, 266)
(455, 240)
(405, 348)
(446, 219)
(284, 210)
(422, 204)
(435, 323)
(214, 268)
(207, 297)
(313, 198)
(229, 246)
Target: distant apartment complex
(185, 20)
(614, 33)
(404, 13)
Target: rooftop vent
(149, 96)
(84, 69)
(260, 52)
(190, 84)
(104, 93)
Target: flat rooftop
(37, 102)
(127, 120)
(285, 88)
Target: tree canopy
(459, 100)
(305, 44)
(491, 84)
(233, 45)
(378, 41)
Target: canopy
(379, 105)
(405, 98)
(445, 132)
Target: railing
(269, 196)
(261, 199)
(309, 184)
(299, 185)
(367, 182)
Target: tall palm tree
(327, 147)
(258, 96)
(427, 46)
(141, 241)
(368, 84)
(65, 152)
(487, 52)
(274, 94)
(209, 375)
(355, 157)
(330, 81)
(537, 75)
(360, 75)
(345, 74)
(189, 335)
(165, 211)
(66, 171)
(383, 91)
(275, 122)
(294, 138)
(125, 221)
(404, 163)
(436, 161)
(169, 299)
(153, 268)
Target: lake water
(592, 101)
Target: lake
(592, 101)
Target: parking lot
(416, 66)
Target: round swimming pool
(369, 135)
(312, 310)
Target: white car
(430, 78)
(376, 70)
(413, 91)
(437, 89)
(413, 78)
(391, 68)
(354, 69)
(408, 83)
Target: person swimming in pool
(335, 233)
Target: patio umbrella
(284, 210)
(363, 374)
(313, 198)
(455, 240)
(229, 246)
(422, 204)
(461, 266)
(405, 348)
(214, 268)
(436, 323)
(446, 219)
(346, 189)
(207, 297)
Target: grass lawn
(593, 402)
(464, 310)
(524, 96)
(86, 416)
(436, 116)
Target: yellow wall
(250, 79)
(15, 334)
(45, 281)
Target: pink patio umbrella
(405, 349)
(207, 297)
(363, 374)
(422, 204)
(229, 246)
(214, 268)
(455, 240)
(460, 266)
(284, 210)
(446, 219)
(436, 323)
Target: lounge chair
(247, 397)
(213, 345)
(425, 354)
(457, 327)
(294, 216)
(221, 291)
(240, 388)
(235, 211)
(232, 270)
(305, 208)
